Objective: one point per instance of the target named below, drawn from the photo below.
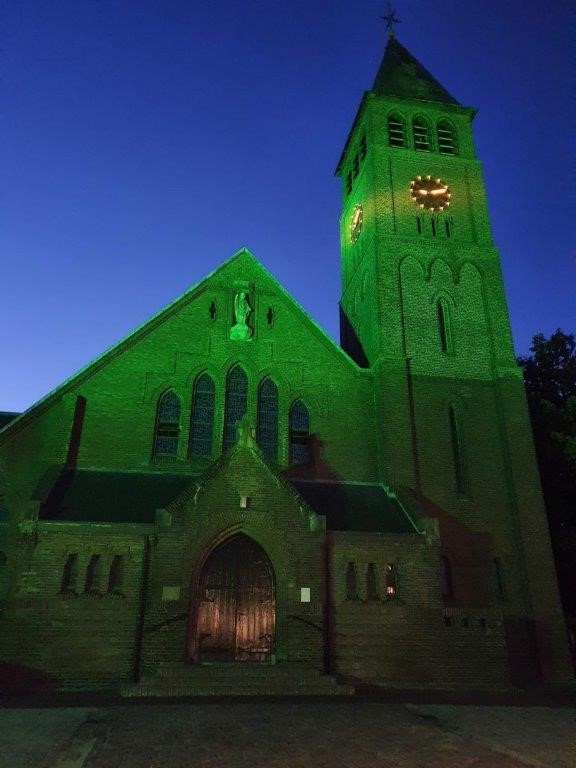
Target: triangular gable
(152, 322)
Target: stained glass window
(236, 403)
(167, 425)
(267, 429)
(299, 428)
(202, 421)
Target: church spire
(402, 75)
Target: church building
(226, 501)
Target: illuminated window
(391, 580)
(299, 433)
(446, 138)
(116, 575)
(267, 425)
(167, 425)
(236, 403)
(457, 451)
(351, 582)
(93, 574)
(69, 581)
(202, 420)
(446, 584)
(444, 329)
(396, 131)
(372, 592)
(421, 131)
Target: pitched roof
(402, 75)
(350, 506)
(6, 417)
(100, 496)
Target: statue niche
(242, 309)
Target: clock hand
(438, 191)
(422, 191)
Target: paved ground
(288, 734)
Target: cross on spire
(390, 19)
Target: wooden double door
(236, 604)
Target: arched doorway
(235, 604)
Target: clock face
(429, 193)
(356, 222)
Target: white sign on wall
(304, 594)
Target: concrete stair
(240, 679)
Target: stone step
(237, 680)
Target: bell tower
(423, 307)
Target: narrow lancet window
(391, 580)
(396, 131)
(446, 583)
(372, 592)
(93, 574)
(446, 138)
(202, 421)
(70, 574)
(444, 329)
(267, 425)
(167, 425)
(116, 575)
(351, 582)
(236, 403)
(421, 131)
(299, 437)
(457, 451)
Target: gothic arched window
(351, 582)
(446, 583)
(236, 403)
(447, 144)
(69, 581)
(444, 325)
(299, 433)
(167, 425)
(202, 420)
(457, 451)
(421, 131)
(396, 130)
(267, 425)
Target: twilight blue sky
(145, 141)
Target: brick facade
(435, 428)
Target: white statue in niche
(242, 310)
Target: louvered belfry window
(202, 421)
(236, 403)
(167, 425)
(446, 138)
(299, 426)
(267, 427)
(396, 132)
(421, 135)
